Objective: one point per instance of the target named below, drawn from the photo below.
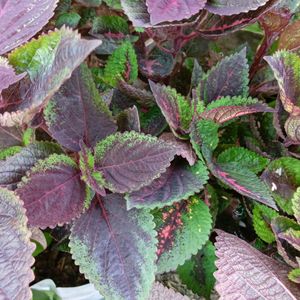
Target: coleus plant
(137, 203)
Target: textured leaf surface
(14, 167)
(231, 101)
(226, 113)
(286, 66)
(245, 273)
(115, 248)
(228, 78)
(15, 249)
(20, 20)
(262, 218)
(131, 160)
(290, 37)
(137, 12)
(8, 75)
(176, 109)
(244, 158)
(179, 182)
(77, 112)
(52, 71)
(244, 182)
(233, 7)
(170, 10)
(53, 192)
(183, 229)
(160, 292)
(283, 177)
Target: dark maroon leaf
(53, 192)
(172, 10)
(216, 25)
(77, 112)
(115, 248)
(245, 273)
(8, 75)
(225, 113)
(131, 160)
(13, 168)
(183, 148)
(15, 249)
(20, 20)
(228, 78)
(233, 7)
(179, 182)
(10, 136)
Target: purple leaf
(8, 75)
(173, 10)
(21, 20)
(67, 55)
(115, 248)
(245, 273)
(228, 78)
(183, 148)
(137, 12)
(10, 136)
(129, 119)
(15, 249)
(179, 182)
(183, 229)
(131, 160)
(53, 192)
(225, 113)
(216, 25)
(77, 112)
(160, 292)
(13, 168)
(233, 7)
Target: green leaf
(294, 275)
(70, 19)
(115, 4)
(183, 229)
(11, 151)
(197, 273)
(244, 158)
(296, 205)
(122, 64)
(36, 54)
(115, 24)
(229, 101)
(262, 218)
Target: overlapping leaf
(115, 248)
(131, 160)
(53, 192)
(296, 205)
(228, 78)
(8, 75)
(175, 107)
(137, 12)
(179, 182)
(20, 20)
(286, 66)
(53, 69)
(160, 292)
(242, 270)
(77, 112)
(15, 249)
(183, 229)
(14, 167)
(233, 7)
(10, 136)
(169, 11)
